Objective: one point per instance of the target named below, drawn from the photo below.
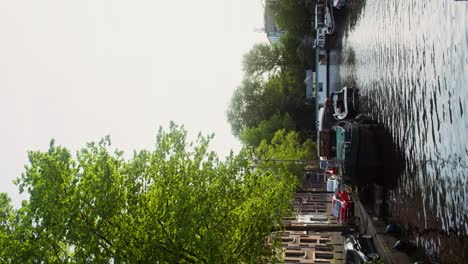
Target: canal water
(409, 58)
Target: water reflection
(410, 60)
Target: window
(320, 87)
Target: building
(272, 30)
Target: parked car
(360, 249)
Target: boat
(356, 147)
(325, 119)
(324, 20)
(329, 21)
(347, 145)
(339, 4)
(344, 103)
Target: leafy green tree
(273, 83)
(177, 203)
(253, 101)
(22, 240)
(271, 60)
(253, 136)
(295, 54)
(6, 218)
(306, 54)
(284, 153)
(291, 16)
(264, 59)
(256, 100)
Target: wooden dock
(313, 234)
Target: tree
(21, 239)
(177, 203)
(273, 83)
(295, 53)
(256, 100)
(248, 105)
(264, 59)
(291, 16)
(282, 151)
(6, 218)
(253, 136)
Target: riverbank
(376, 227)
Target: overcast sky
(79, 70)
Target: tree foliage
(266, 130)
(294, 54)
(257, 99)
(177, 203)
(285, 152)
(264, 59)
(249, 105)
(291, 16)
(273, 81)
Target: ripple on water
(414, 73)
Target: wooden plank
(316, 228)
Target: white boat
(329, 21)
(324, 20)
(344, 103)
(339, 4)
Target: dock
(313, 234)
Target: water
(409, 58)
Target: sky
(76, 71)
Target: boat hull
(362, 159)
(348, 102)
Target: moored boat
(357, 148)
(344, 103)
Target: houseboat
(354, 146)
(357, 147)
